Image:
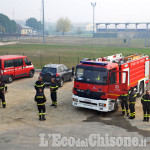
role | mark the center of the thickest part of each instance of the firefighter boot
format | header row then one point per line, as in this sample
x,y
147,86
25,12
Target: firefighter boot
x,y
144,119
40,117
148,118
4,104
123,113
133,115
43,117
53,104
130,117
127,113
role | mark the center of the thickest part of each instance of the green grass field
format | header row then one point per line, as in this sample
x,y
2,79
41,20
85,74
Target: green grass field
x,y
67,54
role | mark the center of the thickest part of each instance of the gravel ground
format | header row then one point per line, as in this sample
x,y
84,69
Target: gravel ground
x,y
20,127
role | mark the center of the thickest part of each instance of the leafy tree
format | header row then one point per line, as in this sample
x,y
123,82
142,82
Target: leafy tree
x,y
34,23
7,25
2,29
63,25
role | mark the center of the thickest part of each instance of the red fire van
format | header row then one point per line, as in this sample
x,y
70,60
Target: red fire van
x,y
15,66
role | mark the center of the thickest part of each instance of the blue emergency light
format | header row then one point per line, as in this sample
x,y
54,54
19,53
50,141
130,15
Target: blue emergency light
x,y
94,63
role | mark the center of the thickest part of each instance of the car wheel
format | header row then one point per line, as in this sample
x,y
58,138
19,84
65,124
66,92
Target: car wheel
x,y
10,79
31,74
61,83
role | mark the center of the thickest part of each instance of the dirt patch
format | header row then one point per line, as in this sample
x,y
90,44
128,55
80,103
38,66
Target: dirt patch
x,y
7,43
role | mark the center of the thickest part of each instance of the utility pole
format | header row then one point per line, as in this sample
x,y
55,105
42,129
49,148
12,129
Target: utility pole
x,y
43,22
13,14
93,5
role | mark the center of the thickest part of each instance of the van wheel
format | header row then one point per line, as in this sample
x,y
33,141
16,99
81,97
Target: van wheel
x,y
31,74
10,79
61,82
141,89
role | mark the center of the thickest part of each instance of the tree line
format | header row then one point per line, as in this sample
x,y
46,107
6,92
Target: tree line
x,y
7,25
63,25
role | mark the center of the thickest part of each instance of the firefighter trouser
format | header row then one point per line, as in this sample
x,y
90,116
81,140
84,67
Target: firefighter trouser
x,y
132,109
124,104
2,97
54,98
41,109
146,112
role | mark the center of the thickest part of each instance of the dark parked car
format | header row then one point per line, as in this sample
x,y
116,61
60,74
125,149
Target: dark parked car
x,y
58,71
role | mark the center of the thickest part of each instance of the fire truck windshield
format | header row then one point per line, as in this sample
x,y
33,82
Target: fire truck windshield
x,y
90,74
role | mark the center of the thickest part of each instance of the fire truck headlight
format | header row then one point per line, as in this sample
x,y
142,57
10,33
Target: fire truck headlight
x,y
2,71
102,105
75,100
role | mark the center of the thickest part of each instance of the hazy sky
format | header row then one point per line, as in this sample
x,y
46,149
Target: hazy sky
x,y
79,10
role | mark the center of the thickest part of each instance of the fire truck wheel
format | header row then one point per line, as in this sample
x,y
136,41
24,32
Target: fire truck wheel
x,y
31,74
116,106
61,82
10,79
141,90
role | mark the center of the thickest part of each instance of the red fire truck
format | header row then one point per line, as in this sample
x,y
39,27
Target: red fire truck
x,y
99,83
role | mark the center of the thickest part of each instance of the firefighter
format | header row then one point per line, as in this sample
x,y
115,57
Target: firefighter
x,y
53,89
3,89
132,100
146,106
39,84
124,103
41,99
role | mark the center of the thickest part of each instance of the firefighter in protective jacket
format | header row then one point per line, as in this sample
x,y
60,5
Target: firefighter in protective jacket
x,y
41,99
132,100
146,106
124,104
39,84
3,89
53,89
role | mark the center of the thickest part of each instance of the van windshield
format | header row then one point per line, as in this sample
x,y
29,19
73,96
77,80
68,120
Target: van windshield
x,y
90,74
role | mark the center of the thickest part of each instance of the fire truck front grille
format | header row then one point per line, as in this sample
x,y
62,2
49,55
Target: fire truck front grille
x,y
88,103
89,94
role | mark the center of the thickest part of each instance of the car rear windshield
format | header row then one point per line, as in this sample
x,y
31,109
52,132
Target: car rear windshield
x,y
49,70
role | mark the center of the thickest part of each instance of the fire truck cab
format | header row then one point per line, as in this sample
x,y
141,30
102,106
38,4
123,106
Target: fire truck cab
x,y
99,83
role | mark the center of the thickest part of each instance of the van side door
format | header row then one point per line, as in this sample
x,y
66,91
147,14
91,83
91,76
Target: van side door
x,y
20,71
27,65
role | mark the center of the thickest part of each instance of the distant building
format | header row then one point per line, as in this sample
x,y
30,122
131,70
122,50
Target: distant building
x,y
89,27
25,30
